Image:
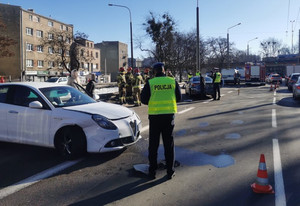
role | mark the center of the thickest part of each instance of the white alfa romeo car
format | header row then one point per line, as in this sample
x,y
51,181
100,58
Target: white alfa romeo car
x,y
64,118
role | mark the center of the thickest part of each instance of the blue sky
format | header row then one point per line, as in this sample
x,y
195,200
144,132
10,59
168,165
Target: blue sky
x,y
259,18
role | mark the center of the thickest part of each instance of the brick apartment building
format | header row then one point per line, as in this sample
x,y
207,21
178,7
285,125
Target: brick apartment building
x,y
31,61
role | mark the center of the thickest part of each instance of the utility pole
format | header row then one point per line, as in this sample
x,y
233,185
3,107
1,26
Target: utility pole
x,y
198,40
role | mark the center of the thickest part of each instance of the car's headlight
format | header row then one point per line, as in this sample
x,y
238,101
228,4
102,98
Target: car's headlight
x,y
103,122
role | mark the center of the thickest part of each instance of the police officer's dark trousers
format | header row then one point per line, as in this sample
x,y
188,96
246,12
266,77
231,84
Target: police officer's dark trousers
x,y
161,125
217,90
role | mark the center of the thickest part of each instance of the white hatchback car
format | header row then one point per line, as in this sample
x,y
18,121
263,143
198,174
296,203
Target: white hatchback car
x,y
64,118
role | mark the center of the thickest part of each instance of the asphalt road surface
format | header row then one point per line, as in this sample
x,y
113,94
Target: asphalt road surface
x,y
218,145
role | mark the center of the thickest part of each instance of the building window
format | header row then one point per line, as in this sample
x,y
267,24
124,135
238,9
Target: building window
x,y
50,50
40,48
61,27
29,63
68,40
97,66
40,63
50,23
50,36
39,33
96,54
91,53
82,65
29,47
30,17
67,28
50,64
36,19
29,31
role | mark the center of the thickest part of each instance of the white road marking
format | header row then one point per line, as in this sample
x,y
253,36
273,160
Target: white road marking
x,y
229,92
186,110
280,199
274,122
35,178
274,100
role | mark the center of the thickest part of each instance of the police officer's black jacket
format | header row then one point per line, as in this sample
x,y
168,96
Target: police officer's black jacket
x,y
146,93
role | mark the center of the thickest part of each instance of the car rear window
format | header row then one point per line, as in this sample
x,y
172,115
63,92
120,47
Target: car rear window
x,y
295,77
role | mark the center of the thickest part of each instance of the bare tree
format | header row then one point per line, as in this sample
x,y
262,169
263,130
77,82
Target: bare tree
x,y
270,47
5,42
161,31
64,49
216,52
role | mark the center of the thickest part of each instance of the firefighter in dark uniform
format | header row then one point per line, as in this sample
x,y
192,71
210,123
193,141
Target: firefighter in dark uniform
x,y
161,94
137,85
129,83
216,83
121,80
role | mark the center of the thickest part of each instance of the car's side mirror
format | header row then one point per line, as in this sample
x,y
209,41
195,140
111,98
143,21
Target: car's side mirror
x,y
35,105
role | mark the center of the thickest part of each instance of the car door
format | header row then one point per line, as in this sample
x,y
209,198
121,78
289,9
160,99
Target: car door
x,y
25,124
4,89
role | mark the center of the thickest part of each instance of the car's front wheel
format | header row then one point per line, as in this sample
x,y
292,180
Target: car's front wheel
x,y
70,142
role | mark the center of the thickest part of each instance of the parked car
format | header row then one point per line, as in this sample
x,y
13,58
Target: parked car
x,y
274,78
59,80
192,87
293,79
62,117
296,90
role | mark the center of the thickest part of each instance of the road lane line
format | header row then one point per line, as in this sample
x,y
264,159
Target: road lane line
x,y
280,199
186,110
274,122
274,100
36,178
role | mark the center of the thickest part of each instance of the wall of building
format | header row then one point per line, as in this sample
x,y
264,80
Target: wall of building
x,y
114,55
11,67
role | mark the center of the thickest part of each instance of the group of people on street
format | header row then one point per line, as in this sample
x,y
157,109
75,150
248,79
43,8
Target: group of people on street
x,y
130,85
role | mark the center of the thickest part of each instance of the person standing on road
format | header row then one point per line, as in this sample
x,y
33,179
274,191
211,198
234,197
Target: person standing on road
x,y
74,78
237,77
121,80
137,84
90,87
217,81
129,83
161,94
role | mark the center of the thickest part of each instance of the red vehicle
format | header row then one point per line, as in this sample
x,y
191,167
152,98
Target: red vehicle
x,y
255,74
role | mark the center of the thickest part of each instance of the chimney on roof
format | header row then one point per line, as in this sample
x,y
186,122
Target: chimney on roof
x,y
31,10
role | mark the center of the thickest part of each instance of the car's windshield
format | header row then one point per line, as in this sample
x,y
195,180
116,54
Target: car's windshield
x,y
65,96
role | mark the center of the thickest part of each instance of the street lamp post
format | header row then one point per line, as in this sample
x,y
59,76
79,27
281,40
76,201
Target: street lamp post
x,y
131,43
228,42
248,45
198,40
292,36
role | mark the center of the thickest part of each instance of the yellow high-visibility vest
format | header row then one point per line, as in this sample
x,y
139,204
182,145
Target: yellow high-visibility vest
x,y
218,77
163,98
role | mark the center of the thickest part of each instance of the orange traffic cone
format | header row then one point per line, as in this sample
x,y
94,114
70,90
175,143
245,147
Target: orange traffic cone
x,y
261,185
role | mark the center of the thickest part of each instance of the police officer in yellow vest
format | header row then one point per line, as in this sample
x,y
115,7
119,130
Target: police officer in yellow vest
x,y
161,94
217,81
